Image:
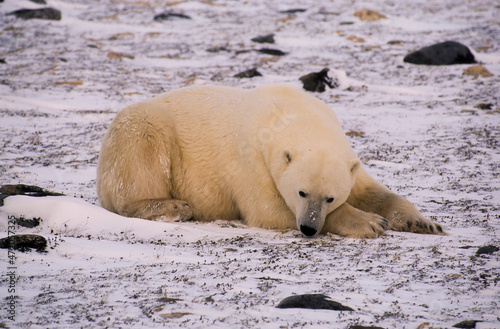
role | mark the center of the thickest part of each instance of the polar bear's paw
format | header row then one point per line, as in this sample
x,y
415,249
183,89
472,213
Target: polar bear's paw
x,y
404,216
415,224
161,210
177,211
367,226
354,223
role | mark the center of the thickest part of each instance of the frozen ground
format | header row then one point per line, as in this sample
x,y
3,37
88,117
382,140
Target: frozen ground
x,y
423,136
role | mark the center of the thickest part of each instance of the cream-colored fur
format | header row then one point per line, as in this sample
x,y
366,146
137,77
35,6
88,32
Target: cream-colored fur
x,y
273,156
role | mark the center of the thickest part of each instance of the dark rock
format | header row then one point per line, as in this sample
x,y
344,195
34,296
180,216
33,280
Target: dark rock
x,y
168,15
217,49
269,38
2,61
293,11
445,53
364,327
42,13
248,74
484,106
26,222
30,190
467,324
21,189
40,2
486,250
24,242
270,51
316,81
312,301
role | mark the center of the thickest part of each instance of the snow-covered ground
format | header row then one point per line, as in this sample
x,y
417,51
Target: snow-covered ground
x,y
422,135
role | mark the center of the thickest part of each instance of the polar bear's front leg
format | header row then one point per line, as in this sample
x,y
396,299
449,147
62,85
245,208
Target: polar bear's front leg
x,y
354,223
164,210
404,216
371,196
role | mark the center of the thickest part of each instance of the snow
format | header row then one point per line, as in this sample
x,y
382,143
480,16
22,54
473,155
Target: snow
x,y
423,137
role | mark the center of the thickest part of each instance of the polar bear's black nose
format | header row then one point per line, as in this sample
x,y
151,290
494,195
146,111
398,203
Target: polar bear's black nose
x,y
308,231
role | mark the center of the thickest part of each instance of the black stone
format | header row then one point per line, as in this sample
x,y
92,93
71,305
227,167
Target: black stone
x,y
269,38
40,2
486,250
293,11
270,51
30,190
445,53
312,301
248,74
166,16
316,81
26,222
484,106
42,13
21,189
24,242
466,324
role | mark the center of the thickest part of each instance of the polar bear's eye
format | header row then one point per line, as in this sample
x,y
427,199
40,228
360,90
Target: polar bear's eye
x,y
329,200
303,194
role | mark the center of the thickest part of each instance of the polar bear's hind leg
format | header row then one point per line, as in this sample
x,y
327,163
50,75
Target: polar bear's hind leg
x,y
134,174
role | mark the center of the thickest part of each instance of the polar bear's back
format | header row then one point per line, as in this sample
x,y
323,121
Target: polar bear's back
x,y
233,110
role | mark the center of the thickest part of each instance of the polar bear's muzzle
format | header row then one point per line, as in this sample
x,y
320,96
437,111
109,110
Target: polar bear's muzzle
x,y
311,221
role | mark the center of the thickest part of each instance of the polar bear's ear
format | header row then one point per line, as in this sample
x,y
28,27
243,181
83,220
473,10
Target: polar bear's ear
x,y
287,156
354,165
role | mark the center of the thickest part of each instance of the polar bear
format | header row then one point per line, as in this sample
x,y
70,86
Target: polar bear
x,y
273,156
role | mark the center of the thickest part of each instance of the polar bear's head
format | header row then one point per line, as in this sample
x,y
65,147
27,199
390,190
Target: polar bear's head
x,y
314,183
